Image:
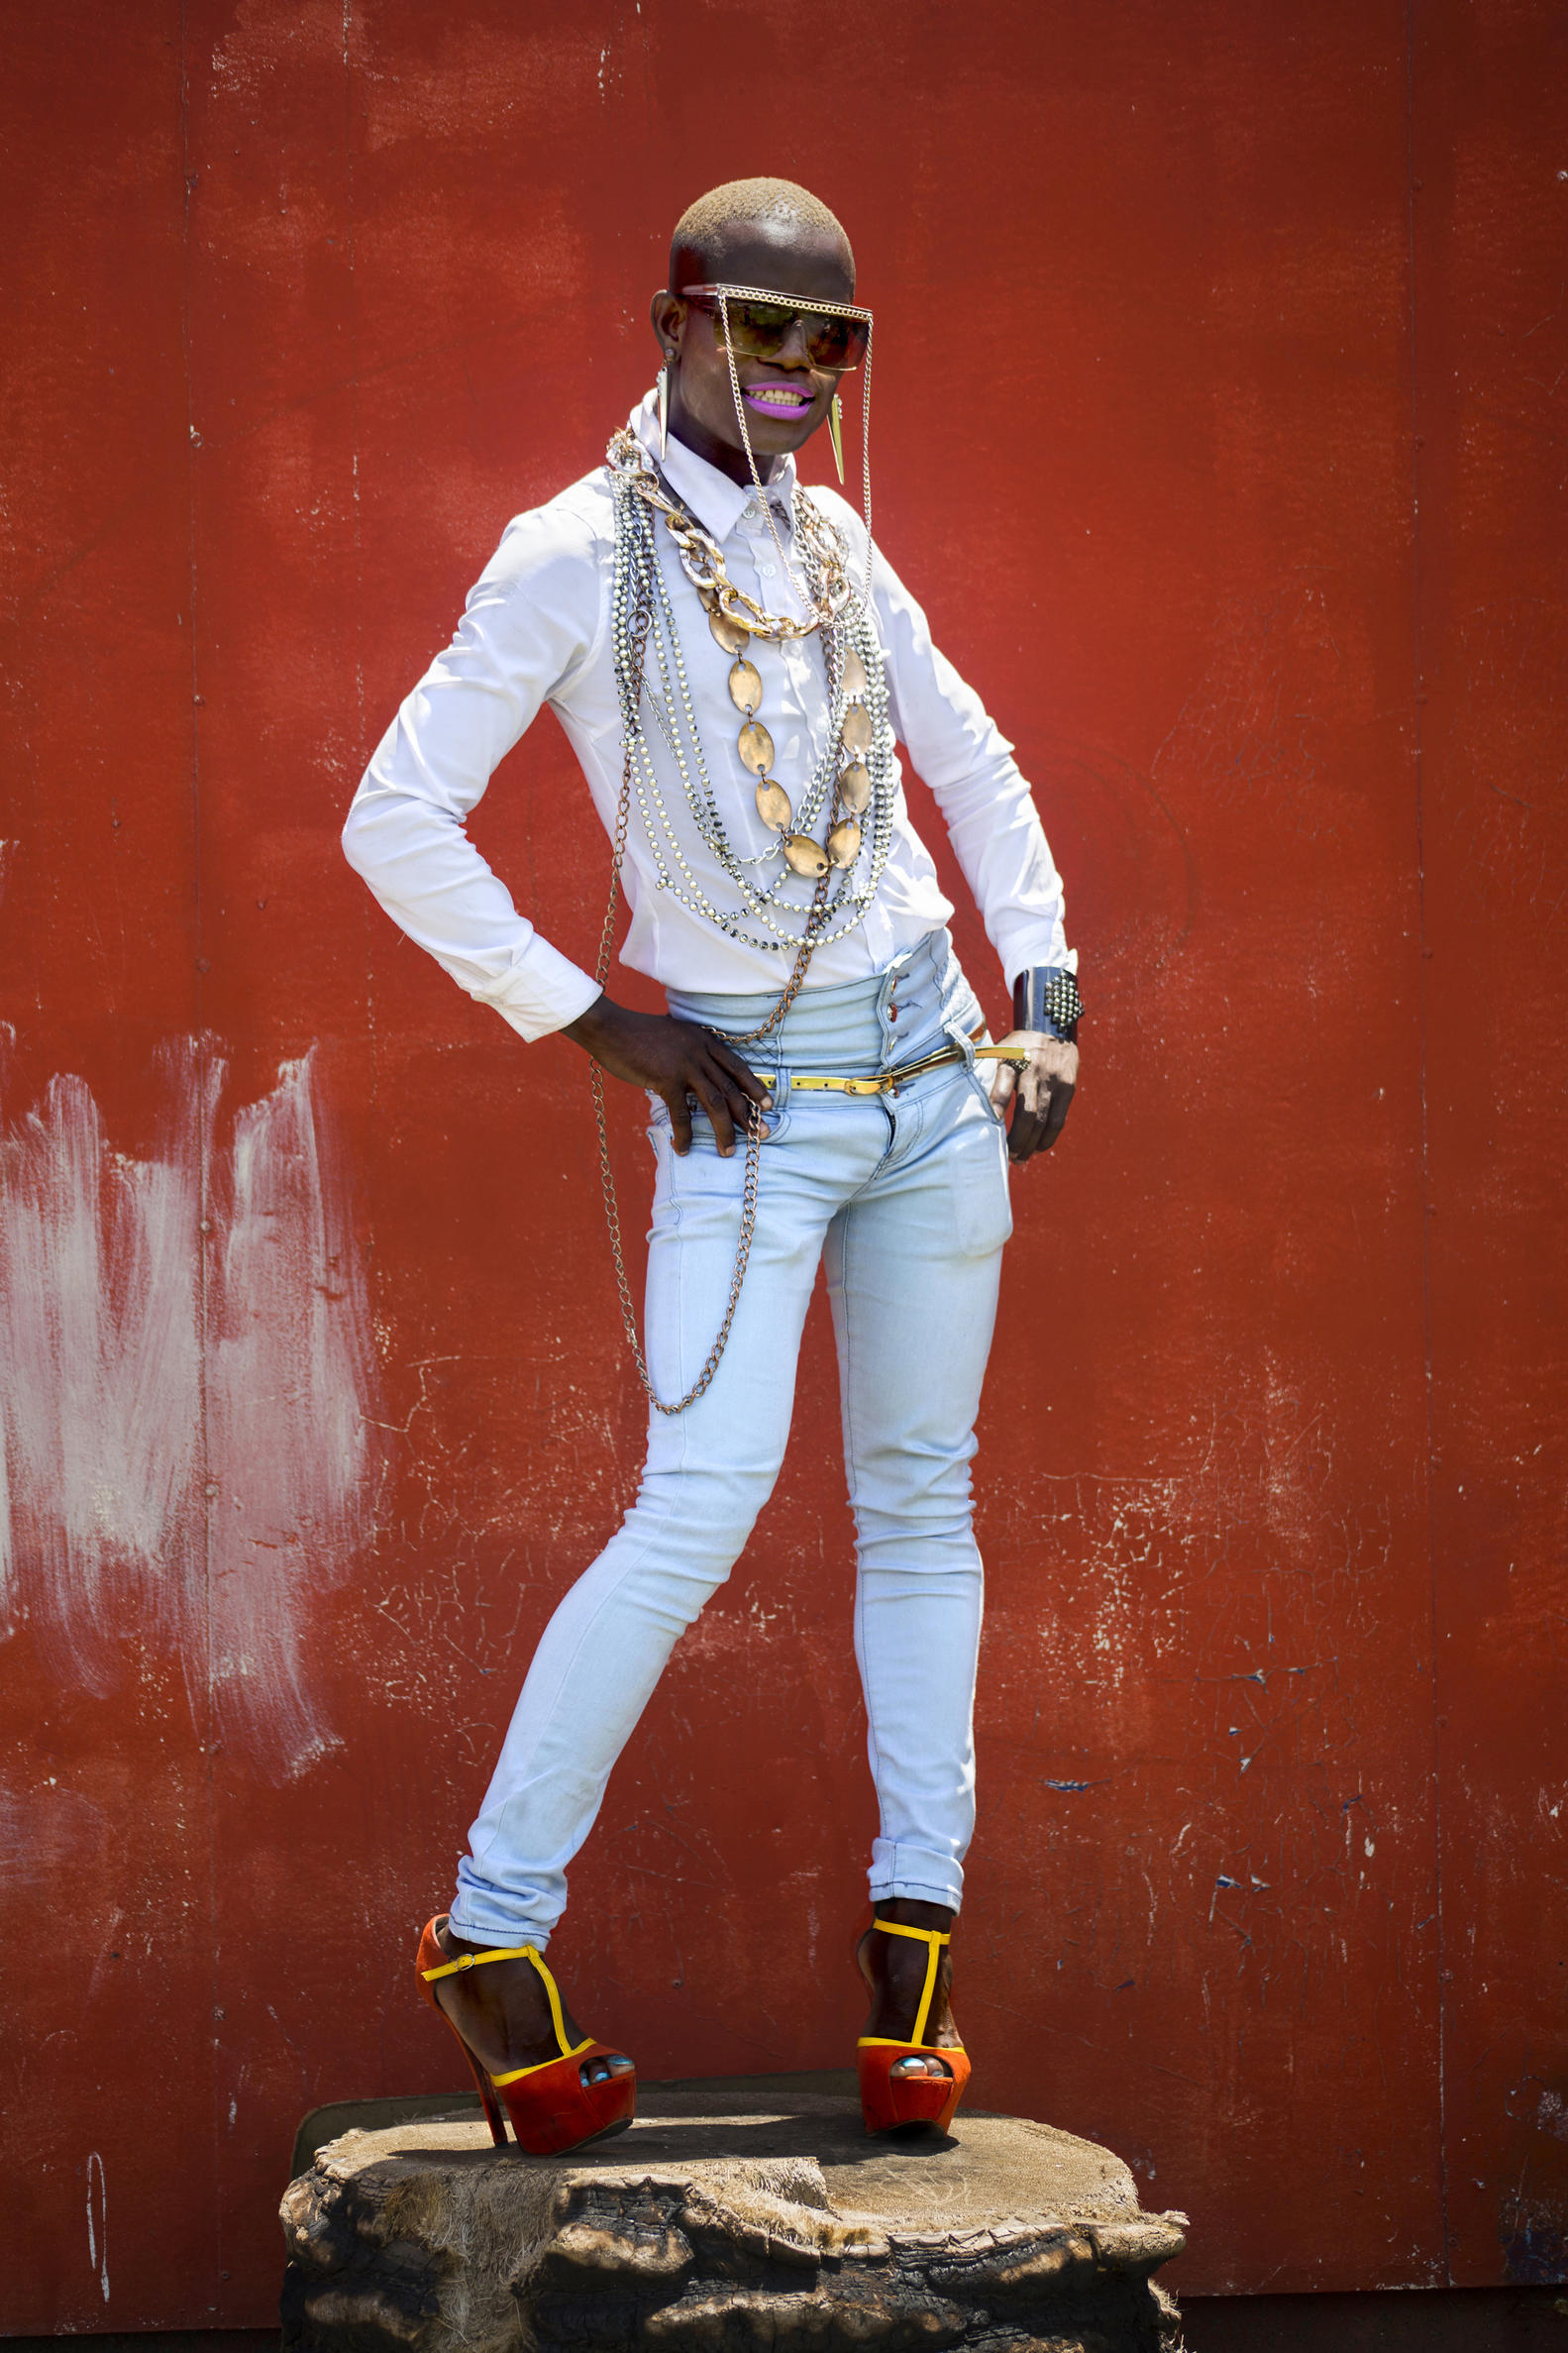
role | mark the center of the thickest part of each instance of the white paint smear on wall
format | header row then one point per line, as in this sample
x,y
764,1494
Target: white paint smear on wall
x,y
184,1448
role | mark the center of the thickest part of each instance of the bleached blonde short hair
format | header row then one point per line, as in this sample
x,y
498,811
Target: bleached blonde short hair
x,y
703,229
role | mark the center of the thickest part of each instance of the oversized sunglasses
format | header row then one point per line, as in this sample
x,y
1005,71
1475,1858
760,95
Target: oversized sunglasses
x,y
759,323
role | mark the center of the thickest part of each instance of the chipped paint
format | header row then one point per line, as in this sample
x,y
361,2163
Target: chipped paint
x,y
184,1378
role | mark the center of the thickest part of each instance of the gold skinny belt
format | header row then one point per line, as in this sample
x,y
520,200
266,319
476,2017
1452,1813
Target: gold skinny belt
x,y
887,1082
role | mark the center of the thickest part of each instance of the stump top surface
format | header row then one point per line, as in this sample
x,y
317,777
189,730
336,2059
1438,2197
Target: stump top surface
x,y
993,2169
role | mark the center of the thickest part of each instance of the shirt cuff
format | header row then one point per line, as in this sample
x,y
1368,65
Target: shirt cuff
x,y
542,993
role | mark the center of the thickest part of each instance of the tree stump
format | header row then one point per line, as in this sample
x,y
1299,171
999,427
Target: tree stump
x,y
726,2220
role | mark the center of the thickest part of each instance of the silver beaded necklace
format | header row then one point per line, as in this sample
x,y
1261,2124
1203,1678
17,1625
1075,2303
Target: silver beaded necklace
x,y
650,680
852,785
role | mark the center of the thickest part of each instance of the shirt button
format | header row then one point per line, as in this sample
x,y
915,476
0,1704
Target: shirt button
x,y
769,571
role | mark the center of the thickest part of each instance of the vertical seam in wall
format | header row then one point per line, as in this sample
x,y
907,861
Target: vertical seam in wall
x,y
204,1166
1421,1016
367,911
353,323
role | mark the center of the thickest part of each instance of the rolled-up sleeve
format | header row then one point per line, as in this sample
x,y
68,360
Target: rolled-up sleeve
x,y
984,801
531,622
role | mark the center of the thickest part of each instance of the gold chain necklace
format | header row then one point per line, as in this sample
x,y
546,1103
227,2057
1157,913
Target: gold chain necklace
x,y
734,619
702,560
755,744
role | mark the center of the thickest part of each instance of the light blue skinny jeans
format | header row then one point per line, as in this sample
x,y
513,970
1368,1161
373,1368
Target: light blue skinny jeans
x,y
907,1198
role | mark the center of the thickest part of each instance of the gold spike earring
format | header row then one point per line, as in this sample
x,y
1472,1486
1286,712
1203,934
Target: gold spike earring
x,y
663,414
836,433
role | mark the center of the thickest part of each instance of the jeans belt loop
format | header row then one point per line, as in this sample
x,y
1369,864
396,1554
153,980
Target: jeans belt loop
x,y
965,1042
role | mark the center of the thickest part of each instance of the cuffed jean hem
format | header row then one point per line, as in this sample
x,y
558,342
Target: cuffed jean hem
x,y
917,1873
473,1931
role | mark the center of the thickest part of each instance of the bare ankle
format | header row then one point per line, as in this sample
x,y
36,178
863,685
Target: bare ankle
x,y
909,1911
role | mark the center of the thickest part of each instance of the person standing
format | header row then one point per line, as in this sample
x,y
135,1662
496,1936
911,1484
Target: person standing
x,y
733,662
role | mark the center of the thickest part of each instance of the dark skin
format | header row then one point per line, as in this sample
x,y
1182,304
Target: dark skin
x,y
676,1061
501,2011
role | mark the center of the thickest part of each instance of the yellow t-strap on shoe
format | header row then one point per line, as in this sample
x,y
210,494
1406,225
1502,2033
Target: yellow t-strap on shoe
x,y
889,2099
531,1952
477,1960
933,1939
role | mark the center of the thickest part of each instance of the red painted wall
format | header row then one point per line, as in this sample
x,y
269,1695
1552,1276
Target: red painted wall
x,y
1219,417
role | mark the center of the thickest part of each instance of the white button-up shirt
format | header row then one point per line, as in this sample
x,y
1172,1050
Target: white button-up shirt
x,y
537,629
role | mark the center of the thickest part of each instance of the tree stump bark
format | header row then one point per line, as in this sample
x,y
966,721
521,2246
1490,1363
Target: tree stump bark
x,y
726,2221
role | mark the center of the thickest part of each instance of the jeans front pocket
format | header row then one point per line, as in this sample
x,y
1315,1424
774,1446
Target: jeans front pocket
x,y
983,1200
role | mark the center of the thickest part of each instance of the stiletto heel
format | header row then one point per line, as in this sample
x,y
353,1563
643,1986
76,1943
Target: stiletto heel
x,y
888,2100
494,2113
551,2106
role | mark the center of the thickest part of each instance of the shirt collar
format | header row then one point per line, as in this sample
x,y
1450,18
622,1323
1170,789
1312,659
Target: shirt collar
x,y
717,501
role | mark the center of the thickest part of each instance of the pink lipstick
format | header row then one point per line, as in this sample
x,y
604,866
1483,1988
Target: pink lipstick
x,y
776,399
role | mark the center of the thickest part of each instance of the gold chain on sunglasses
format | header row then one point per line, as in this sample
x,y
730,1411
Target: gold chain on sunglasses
x,y
844,310
790,306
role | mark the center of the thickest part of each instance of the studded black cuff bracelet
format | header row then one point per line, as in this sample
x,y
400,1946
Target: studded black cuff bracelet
x,y
1046,998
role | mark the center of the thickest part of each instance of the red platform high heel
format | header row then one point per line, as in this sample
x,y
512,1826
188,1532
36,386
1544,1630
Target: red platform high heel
x,y
551,2106
888,2100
